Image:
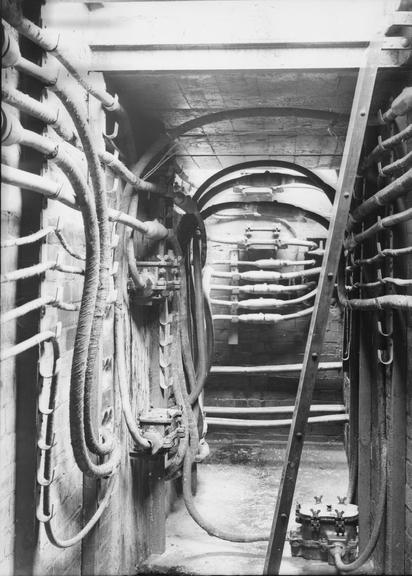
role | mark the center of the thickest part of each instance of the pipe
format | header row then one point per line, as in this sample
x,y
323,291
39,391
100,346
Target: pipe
x,y
68,542
29,239
384,196
271,369
121,170
55,191
267,178
48,511
271,409
202,367
267,263
388,144
120,365
337,550
239,423
39,110
45,114
259,303
277,242
37,269
272,289
398,165
381,224
262,276
382,282
311,176
50,43
36,236
27,308
179,387
263,318
386,302
13,132
382,254
93,303
26,345
202,522
86,397
400,106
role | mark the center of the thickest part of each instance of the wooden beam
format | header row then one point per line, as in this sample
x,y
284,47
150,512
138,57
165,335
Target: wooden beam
x,y
239,58
347,176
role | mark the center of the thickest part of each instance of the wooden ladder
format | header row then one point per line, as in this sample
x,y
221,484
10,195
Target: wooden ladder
x,y
347,175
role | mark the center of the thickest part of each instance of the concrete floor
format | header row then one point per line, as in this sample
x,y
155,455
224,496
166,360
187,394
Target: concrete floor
x,y
242,497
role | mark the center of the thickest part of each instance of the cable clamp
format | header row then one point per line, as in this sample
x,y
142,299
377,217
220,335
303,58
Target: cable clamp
x,y
42,517
114,105
42,481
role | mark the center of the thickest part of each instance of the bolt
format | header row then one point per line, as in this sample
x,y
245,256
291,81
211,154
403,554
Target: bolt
x,y
314,356
362,113
330,276
284,516
346,195
299,435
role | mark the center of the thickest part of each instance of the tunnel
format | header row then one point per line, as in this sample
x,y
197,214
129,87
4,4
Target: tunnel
x,y
206,287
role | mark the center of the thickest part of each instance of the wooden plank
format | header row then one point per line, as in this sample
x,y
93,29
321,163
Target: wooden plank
x,y
396,420
365,403
213,58
347,176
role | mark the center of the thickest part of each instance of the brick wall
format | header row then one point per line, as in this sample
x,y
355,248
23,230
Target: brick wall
x,y
132,527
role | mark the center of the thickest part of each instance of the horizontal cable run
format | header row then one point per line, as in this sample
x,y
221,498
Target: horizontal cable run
x,y
263,276
272,369
239,423
259,303
270,409
27,344
39,235
266,289
266,263
261,318
37,270
382,254
386,302
381,224
54,190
